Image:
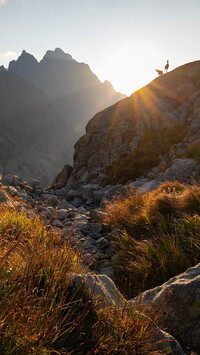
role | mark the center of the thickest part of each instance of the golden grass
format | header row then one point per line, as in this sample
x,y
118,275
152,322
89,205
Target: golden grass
x,y
160,235
40,312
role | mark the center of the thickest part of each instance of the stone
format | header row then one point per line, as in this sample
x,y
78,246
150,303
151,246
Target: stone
x,y
180,300
62,214
76,202
149,186
180,170
64,175
102,290
81,210
102,243
97,215
54,200
57,223
94,235
71,194
34,183
86,190
3,196
9,179
108,271
95,227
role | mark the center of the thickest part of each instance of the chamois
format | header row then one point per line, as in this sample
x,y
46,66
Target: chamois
x,y
167,66
160,72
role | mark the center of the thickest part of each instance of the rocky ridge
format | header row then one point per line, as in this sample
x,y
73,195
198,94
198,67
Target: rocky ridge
x,y
142,135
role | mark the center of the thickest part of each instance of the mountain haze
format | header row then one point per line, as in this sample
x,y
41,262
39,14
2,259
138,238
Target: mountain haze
x,y
44,109
71,87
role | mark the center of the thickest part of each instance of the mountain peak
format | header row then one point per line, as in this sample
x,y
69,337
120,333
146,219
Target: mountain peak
x,y
24,60
58,54
27,56
2,69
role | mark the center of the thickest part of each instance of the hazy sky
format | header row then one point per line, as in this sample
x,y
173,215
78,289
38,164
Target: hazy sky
x,y
123,41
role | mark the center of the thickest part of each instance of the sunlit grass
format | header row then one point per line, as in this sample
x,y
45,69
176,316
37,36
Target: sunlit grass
x,y
160,235
40,311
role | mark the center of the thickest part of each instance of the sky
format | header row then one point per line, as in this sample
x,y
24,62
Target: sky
x,y
122,41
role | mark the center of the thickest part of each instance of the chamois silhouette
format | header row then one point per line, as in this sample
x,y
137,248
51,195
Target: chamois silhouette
x,y
167,66
160,72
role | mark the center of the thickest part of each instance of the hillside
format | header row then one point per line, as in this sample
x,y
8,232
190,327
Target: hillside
x,y
143,133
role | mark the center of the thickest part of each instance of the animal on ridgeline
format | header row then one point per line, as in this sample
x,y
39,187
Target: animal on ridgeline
x,y
160,72
167,66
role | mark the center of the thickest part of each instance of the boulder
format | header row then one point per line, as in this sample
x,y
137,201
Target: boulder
x,y
102,290
64,175
180,300
181,170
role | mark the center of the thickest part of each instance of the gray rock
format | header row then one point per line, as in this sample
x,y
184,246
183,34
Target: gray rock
x,y
95,227
149,186
77,202
71,194
64,175
54,200
81,210
94,235
102,290
34,183
180,170
57,223
62,214
108,271
97,215
180,300
86,190
3,196
9,179
102,243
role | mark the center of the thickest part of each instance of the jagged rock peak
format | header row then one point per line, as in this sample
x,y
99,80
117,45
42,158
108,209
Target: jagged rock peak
x,y
25,59
27,56
59,54
2,69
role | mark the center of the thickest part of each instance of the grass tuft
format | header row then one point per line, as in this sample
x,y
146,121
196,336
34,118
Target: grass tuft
x,y
160,235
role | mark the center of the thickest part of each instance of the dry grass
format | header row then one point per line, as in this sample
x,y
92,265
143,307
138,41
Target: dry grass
x,y
160,235
40,312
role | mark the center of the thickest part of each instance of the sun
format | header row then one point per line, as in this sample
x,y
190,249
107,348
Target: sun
x,y
133,65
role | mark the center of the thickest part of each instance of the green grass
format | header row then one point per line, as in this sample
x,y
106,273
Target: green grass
x,y
160,235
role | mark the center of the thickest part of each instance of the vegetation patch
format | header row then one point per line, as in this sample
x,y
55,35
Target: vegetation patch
x,y
152,143
40,311
160,235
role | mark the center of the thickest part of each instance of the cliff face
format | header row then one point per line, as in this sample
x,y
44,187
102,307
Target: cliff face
x,y
144,132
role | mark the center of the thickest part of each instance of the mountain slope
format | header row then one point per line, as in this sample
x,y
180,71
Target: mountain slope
x,y
72,88
143,132
31,131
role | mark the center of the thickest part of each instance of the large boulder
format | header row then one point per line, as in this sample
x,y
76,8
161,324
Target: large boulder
x,y
180,299
103,292
181,170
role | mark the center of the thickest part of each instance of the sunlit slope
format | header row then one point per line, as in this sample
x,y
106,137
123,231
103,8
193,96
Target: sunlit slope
x,y
153,126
